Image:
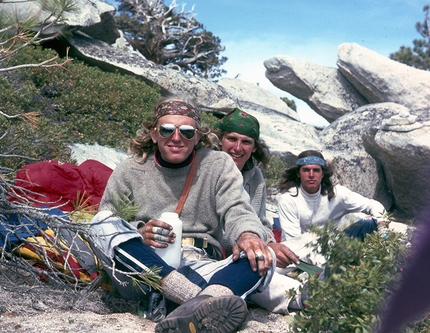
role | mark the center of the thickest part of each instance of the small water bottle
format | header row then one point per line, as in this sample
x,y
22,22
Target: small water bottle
x,y
172,253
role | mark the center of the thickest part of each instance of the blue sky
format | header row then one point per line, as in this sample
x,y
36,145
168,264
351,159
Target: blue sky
x,y
253,31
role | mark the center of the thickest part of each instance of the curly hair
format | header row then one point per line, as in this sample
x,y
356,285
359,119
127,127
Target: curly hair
x,y
142,145
289,178
261,154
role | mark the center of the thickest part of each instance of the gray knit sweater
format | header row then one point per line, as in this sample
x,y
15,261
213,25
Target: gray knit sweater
x,y
216,201
255,186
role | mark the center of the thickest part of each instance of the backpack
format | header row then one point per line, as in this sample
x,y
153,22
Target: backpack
x,y
63,252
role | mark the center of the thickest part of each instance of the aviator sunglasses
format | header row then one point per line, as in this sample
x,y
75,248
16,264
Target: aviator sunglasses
x,y
186,131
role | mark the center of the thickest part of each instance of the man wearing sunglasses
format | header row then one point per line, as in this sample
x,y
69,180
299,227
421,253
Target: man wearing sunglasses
x,y
209,290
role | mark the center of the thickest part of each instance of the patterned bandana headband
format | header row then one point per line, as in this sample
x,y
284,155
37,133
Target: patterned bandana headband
x,y
310,160
177,108
240,122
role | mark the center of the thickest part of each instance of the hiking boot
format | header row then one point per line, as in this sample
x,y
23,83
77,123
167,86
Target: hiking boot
x,y
206,314
298,301
304,296
153,308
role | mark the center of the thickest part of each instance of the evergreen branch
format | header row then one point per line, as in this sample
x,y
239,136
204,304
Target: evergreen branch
x,y
124,207
150,278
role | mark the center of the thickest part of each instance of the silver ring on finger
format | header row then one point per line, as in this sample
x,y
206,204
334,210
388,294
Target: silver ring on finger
x,y
159,238
165,232
259,257
157,230
160,231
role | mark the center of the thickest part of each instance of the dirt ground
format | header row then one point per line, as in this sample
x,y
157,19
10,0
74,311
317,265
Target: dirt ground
x,y
259,321
34,307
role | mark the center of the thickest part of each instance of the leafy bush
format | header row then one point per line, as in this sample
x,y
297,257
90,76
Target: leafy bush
x,y
361,274
272,173
77,103
208,119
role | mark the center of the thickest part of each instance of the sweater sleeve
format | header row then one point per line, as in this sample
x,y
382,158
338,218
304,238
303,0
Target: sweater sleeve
x,y
288,217
233,204
255,186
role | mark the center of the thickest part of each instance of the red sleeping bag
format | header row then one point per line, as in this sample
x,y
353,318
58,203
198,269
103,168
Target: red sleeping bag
x,y
53,183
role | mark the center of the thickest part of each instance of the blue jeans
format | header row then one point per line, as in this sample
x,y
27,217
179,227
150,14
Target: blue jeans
x,y
361,228
237,276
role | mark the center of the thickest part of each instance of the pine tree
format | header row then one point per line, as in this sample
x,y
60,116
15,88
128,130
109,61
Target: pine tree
x,y
171,37
419,55
18,31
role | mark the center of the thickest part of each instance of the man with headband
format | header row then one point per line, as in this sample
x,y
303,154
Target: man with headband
x,y
239,136
210,292
310,198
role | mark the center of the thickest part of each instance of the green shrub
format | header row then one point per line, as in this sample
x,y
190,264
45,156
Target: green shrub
x,y
208,119
361,273
77,103
272,173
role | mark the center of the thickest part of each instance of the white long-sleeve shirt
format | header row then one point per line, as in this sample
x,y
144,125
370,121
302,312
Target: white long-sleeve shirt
x,y
297,213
